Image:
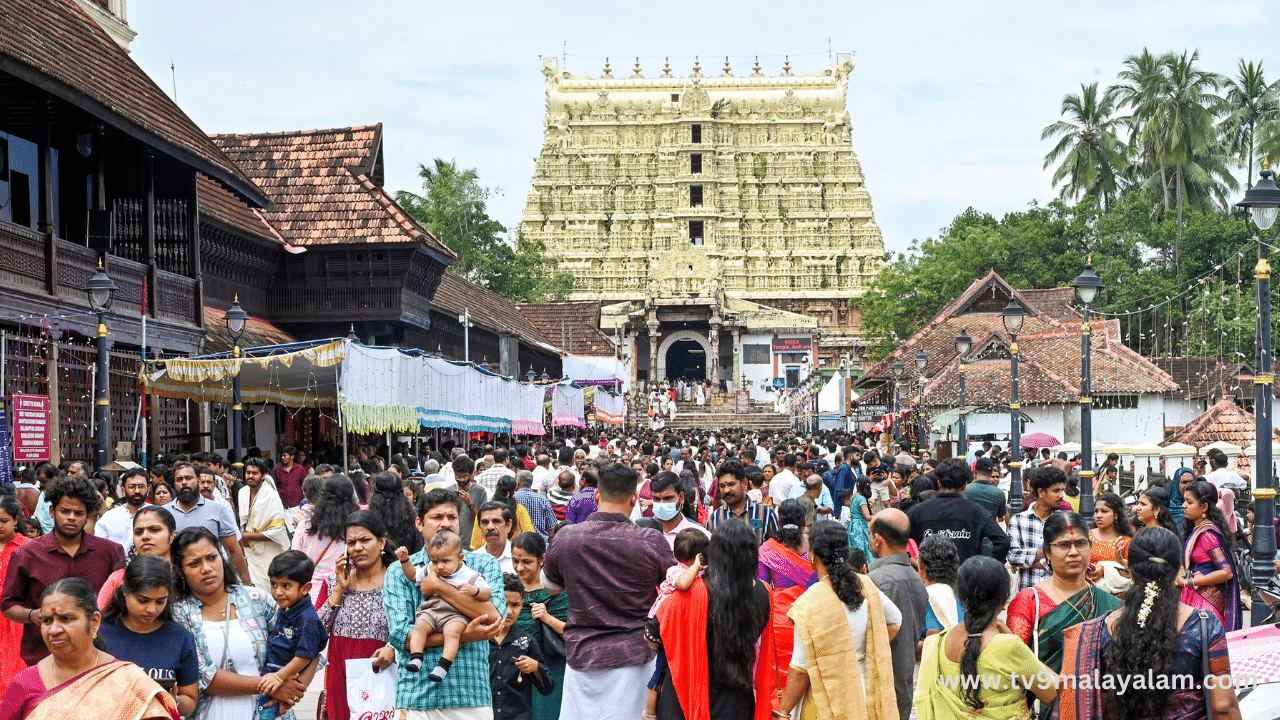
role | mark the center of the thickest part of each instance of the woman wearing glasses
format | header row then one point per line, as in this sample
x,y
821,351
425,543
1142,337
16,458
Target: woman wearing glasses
x,y
1041,613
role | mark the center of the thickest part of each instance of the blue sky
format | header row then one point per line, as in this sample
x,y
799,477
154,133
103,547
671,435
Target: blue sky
x,y
947,98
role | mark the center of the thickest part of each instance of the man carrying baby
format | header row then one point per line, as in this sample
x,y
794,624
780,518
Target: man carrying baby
x,y
465,692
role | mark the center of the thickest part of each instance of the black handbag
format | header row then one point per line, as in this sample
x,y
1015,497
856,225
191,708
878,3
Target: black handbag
x,y
1204,663
552,643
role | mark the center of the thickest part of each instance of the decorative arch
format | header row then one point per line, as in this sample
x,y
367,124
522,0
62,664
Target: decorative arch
x,y
676,337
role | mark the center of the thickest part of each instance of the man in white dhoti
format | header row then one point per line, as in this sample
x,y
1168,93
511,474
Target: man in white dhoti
x,y
262,522
610,593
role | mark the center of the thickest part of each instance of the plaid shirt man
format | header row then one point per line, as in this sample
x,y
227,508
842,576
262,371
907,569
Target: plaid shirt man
x,y
1026,536
759,516
489,478
540,511
467,684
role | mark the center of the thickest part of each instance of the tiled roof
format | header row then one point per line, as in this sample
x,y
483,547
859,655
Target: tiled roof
x,y
321,190
1224,421
1057,303
574,326
1049,345
257,332
488,309
220,205
1206,377
54,45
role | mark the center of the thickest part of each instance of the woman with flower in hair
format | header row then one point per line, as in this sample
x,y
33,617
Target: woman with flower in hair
x,y
1154,637
784,565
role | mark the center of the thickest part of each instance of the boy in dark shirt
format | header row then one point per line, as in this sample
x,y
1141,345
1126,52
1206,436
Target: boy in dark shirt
x,y
515,662
298,636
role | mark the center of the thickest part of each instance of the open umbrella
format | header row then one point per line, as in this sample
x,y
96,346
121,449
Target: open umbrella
x,y
1040,440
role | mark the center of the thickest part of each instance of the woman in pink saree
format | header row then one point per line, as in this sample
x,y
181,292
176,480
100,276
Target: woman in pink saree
x,y
79,680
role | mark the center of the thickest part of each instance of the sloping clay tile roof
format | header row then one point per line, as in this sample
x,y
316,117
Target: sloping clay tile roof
x,y
574,326
1224,421
321,190
488,309
56,39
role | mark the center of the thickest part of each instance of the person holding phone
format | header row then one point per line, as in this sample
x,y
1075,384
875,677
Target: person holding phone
x,y
351,606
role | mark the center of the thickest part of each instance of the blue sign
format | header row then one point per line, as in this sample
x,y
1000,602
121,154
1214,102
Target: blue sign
x,y
779,383
6,459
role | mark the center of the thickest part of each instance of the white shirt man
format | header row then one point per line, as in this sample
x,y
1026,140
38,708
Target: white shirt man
x,y
782,484
116,524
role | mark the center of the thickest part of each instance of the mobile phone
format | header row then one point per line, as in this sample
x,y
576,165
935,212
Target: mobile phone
x,y
350,566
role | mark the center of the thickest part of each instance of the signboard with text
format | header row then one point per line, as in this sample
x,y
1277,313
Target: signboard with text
x,y
792,345
742,402
779,383
31,438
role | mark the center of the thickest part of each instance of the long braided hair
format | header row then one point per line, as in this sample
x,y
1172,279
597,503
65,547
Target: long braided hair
x,y
982,585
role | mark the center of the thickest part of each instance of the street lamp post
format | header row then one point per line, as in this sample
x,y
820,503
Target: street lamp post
x,y
465,320
1087,285
1263,202
922,440
236,318
1013,315
897,369
963,344
101,291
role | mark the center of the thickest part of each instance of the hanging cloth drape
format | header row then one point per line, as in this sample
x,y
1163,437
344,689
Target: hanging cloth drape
x,y
567,406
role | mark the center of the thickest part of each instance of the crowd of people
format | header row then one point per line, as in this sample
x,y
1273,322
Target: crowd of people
x,y
650,574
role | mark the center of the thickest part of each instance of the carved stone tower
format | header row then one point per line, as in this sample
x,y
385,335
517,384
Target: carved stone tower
x,y
688,186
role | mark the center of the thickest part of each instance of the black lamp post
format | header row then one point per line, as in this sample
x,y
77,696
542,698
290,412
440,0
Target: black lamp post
x,y
1263,202
963,344
897,367
1087,285
236,319
922,444
1013,315
101,291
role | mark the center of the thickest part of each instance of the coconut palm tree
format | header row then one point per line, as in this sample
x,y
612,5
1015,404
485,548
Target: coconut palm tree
x,y
1142,82
1253,112
1093,158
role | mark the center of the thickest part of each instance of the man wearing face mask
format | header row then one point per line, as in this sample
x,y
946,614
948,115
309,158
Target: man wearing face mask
x,y
610,569
668,501
116,524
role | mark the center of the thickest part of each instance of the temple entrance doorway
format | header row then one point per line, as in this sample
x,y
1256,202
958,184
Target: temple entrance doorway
x,y
686,360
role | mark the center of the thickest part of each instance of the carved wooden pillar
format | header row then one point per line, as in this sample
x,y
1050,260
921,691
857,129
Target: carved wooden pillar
x,y
149,230
193,237
46,222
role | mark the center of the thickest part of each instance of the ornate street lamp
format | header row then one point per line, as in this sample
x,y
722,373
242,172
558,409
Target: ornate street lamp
x,y
545,377
531,375
1013,315
964,343
922,444
101,291
1087,285
897,369
1263,202
236,319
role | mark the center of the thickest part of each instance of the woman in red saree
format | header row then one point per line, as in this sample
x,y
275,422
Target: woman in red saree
x,y
1211,581
10,632
717,638
784,565
79,680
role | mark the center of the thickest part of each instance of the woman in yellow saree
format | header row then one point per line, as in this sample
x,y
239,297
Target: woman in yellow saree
x,y
981,651
840,666
79,680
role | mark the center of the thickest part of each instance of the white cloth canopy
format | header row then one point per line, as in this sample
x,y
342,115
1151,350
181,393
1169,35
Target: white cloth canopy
x,y
376,388
594,369
610,408
567,406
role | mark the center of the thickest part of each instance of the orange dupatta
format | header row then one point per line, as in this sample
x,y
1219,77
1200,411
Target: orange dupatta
x,y
115,691
682,618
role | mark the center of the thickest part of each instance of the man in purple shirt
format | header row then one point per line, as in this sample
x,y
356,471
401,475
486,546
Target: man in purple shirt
x,y
583,502
611,570
66,552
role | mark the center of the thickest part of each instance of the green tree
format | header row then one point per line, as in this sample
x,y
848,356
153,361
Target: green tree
x,y
1093,158
453,207
1252,112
